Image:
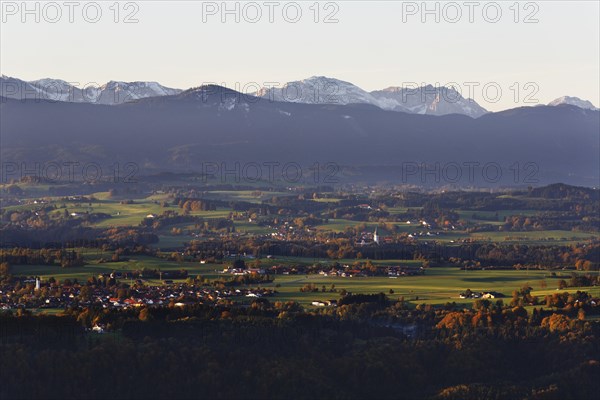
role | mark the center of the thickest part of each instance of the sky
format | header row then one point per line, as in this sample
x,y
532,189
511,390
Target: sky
x,y
502,54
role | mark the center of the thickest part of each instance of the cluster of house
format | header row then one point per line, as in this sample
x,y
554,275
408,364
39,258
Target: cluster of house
x,y
429,232
420,234
468,294
240,271
179,295
344,270
348,273
397,271
286,231
324,303
65,296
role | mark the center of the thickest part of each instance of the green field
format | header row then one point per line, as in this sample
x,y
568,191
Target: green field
x,y
467,215
120,214
437,286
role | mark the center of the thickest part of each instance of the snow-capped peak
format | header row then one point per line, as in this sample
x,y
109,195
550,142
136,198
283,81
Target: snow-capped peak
x,y
111,93
424,100
318,90
112,85
574,101
120,92
428,99
49,82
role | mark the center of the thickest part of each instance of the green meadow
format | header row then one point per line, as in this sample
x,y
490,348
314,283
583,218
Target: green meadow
x,y
437,286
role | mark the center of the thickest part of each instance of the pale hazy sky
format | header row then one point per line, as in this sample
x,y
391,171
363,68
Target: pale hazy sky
x,y
373,45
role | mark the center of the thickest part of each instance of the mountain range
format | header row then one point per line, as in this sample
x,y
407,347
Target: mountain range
x,y
428,99
111,93
185,130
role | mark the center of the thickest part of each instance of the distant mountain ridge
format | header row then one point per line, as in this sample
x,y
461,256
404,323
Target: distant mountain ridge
x,y
111,93
427,100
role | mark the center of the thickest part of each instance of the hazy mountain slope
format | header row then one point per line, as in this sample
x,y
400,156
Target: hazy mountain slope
x,y
216,124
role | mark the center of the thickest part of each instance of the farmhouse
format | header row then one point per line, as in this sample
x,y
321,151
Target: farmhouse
x,y
326,303
491,295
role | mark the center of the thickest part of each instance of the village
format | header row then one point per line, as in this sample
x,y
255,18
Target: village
x,y
124,289
31,293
